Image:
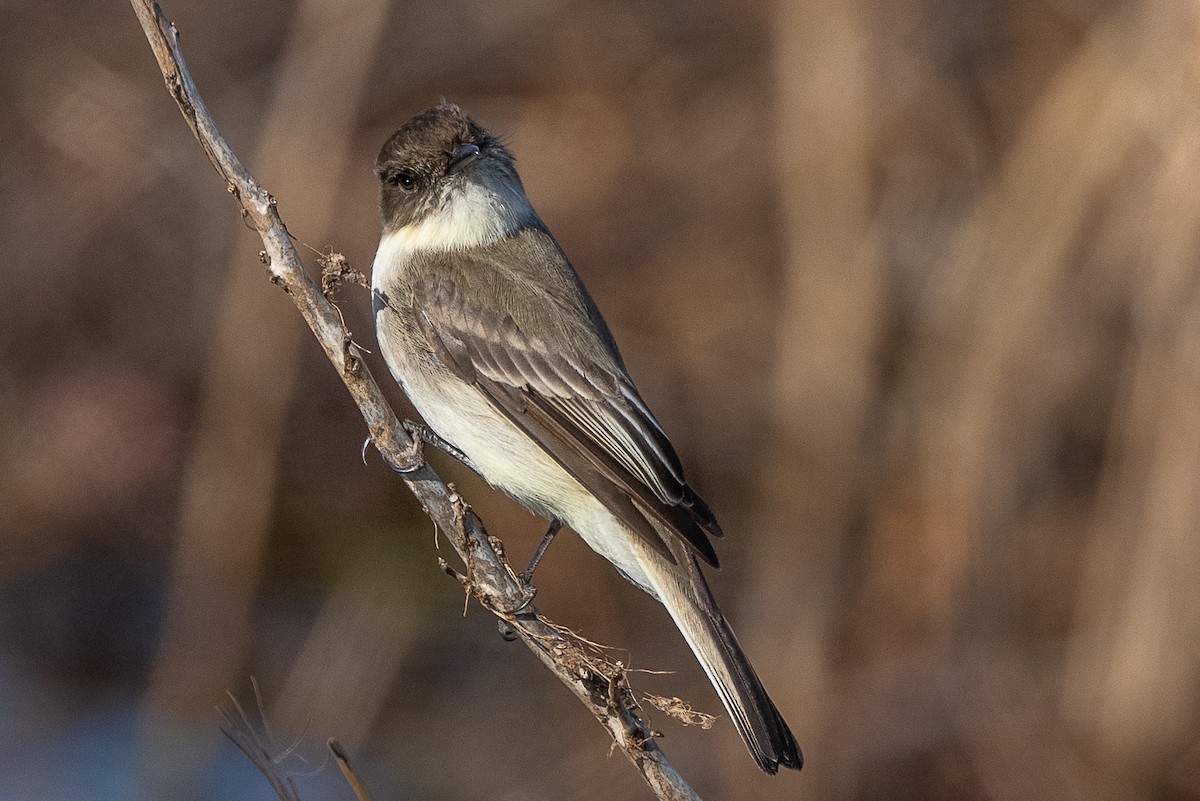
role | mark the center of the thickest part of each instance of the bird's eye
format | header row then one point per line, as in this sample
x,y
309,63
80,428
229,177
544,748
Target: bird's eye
x,y
404,179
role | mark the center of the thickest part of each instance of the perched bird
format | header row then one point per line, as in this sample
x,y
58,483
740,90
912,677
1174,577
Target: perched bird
x,y
490,332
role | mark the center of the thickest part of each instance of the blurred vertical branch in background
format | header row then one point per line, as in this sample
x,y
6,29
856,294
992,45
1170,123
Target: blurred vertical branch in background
x,y
229,480
827,324
343,673
1133,677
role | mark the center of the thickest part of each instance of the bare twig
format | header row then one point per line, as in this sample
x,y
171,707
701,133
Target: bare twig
x,y
339,754
256,743
600,688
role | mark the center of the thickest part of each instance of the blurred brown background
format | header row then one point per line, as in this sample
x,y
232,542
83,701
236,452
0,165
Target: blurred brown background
x,y
912,285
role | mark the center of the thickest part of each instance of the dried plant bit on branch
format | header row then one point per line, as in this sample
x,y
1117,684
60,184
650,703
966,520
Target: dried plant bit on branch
x,y
336,272
681,710
599,648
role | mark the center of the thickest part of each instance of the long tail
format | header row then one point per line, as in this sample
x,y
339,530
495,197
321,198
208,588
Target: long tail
x,y
685,593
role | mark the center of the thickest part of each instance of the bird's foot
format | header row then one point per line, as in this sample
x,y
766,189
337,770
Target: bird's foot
x,y
526,575
425,434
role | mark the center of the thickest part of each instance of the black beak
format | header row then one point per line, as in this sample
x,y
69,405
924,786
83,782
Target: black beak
x,y
461,157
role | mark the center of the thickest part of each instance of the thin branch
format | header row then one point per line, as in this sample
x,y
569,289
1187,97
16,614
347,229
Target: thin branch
x,y
256,743
356,784
598,683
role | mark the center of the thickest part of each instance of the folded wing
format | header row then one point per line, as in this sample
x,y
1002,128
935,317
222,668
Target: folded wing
x,y
542,356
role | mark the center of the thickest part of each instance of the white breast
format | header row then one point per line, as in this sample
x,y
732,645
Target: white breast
x,y
510,460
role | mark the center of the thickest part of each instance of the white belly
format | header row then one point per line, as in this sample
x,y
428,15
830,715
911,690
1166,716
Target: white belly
x,y
508,459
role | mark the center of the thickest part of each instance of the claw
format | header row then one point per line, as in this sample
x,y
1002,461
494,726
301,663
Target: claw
x,y
424,434
507,632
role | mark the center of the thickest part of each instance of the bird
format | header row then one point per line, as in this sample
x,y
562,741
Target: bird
x,y
490,332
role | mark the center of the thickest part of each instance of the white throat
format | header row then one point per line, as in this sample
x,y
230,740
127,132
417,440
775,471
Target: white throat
x,y
476,215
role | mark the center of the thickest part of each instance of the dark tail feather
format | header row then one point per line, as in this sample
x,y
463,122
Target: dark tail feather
x,y
706,630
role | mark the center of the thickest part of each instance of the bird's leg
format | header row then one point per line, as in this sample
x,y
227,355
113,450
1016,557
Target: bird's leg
x,y
527,574
427,436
